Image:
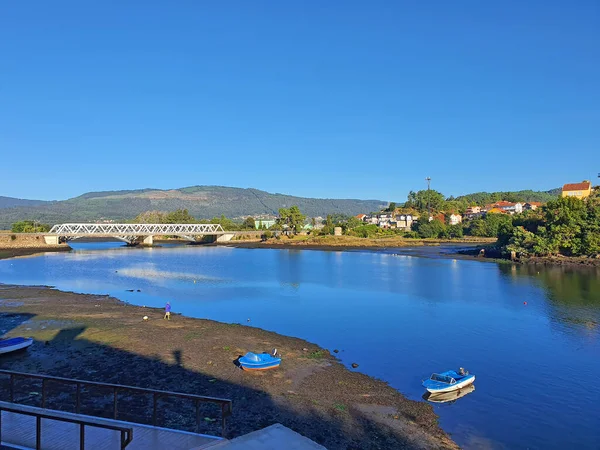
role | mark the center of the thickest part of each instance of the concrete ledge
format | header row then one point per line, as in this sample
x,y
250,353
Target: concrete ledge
x,y
275,437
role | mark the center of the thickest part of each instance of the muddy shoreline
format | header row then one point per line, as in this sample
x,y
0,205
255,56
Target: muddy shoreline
x,y
101,338
6,253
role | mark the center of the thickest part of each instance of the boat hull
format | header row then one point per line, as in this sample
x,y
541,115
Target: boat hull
x,y
263,367
14,345
262,361
453,387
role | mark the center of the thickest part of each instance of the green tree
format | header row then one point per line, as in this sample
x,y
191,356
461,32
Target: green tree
x,y
434,229
249,223
180,216
29,226
488,225
391,207
420,199
292,218
227,224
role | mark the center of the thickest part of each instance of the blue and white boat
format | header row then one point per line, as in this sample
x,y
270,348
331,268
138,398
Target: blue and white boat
x,y
259,361
448,381
14,344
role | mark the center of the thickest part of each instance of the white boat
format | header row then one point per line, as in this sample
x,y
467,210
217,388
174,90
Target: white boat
x,y
451,396
448,381
14,344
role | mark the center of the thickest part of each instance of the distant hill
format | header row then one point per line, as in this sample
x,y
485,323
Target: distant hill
x,y
10,202
483,198
203,202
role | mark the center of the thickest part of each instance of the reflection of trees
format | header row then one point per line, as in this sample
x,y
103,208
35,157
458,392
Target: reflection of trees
x,y
573,293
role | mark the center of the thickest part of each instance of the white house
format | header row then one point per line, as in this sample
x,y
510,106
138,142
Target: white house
x,y
454,219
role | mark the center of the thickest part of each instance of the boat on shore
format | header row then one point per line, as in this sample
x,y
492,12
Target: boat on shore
x,y
448,381
259,361
14,344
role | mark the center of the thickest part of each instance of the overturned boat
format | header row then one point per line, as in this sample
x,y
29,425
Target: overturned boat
x,y
259,361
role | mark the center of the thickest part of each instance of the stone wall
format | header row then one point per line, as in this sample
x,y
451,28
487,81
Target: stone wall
x,y
26,240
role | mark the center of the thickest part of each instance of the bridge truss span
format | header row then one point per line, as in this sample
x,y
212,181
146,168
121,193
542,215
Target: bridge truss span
x,y
133,233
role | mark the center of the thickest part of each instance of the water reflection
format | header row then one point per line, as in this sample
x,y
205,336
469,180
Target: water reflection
x,y
572,294
448,397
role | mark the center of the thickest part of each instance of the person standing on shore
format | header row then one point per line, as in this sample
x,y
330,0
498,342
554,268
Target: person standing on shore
x,y
167,311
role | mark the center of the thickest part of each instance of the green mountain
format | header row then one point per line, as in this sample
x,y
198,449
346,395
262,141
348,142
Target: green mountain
x,y
203,202
484,198
11,202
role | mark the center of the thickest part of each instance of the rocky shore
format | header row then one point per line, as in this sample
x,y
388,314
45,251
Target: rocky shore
x,y
100,338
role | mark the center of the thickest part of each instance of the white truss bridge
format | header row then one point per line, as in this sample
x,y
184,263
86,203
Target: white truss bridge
x,y
133,233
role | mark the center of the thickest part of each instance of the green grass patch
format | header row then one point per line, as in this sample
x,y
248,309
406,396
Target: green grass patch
x,y
317,354
340,407
191,335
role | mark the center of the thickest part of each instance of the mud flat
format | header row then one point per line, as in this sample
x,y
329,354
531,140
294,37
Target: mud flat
x,y
100,338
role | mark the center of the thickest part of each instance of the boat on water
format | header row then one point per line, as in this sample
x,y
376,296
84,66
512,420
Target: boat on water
x,y
448,381
452,396
14,344
259,361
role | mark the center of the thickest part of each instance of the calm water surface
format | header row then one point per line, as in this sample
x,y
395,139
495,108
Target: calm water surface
x,y
400,317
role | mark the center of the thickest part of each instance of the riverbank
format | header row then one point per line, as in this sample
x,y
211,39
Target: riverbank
x,y
19,244
493,255
339,243
100,338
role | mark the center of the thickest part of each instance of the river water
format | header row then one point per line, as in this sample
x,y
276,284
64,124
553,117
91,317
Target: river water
x,y
530,335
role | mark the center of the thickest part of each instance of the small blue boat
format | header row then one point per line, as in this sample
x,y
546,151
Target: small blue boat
x,y
259,361
14,344
448,381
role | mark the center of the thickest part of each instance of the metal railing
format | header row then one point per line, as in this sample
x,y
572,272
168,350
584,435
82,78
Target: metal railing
x,y
125,432
225,404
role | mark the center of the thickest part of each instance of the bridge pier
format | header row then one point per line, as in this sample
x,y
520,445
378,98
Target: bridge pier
x,y
148,240
51,240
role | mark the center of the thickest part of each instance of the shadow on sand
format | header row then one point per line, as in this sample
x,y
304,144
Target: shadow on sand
x,y
69,355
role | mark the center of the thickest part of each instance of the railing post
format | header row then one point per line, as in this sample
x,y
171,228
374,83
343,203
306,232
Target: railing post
x,y
43,392
38,433
223,420
78,399
115,403
81,436
12,388
197,416
154,401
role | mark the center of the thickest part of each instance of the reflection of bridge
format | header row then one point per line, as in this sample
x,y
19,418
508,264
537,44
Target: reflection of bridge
x,y
135,233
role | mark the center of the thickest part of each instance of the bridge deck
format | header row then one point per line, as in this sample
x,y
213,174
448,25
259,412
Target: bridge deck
x,y
19,430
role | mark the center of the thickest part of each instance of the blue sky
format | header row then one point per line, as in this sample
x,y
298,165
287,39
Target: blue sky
x,y
346,98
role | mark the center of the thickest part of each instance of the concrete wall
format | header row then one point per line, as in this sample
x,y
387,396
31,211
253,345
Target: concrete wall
x,y
26,240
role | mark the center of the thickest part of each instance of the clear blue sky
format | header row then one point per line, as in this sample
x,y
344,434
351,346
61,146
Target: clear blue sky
x,y
314,98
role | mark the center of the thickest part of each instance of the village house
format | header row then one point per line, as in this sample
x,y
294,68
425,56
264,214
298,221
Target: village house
x,y
507,207
399,221
403,222
531,206
577,190
454,219
259,224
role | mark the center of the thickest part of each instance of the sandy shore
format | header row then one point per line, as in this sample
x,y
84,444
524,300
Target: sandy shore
x,y
100,338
